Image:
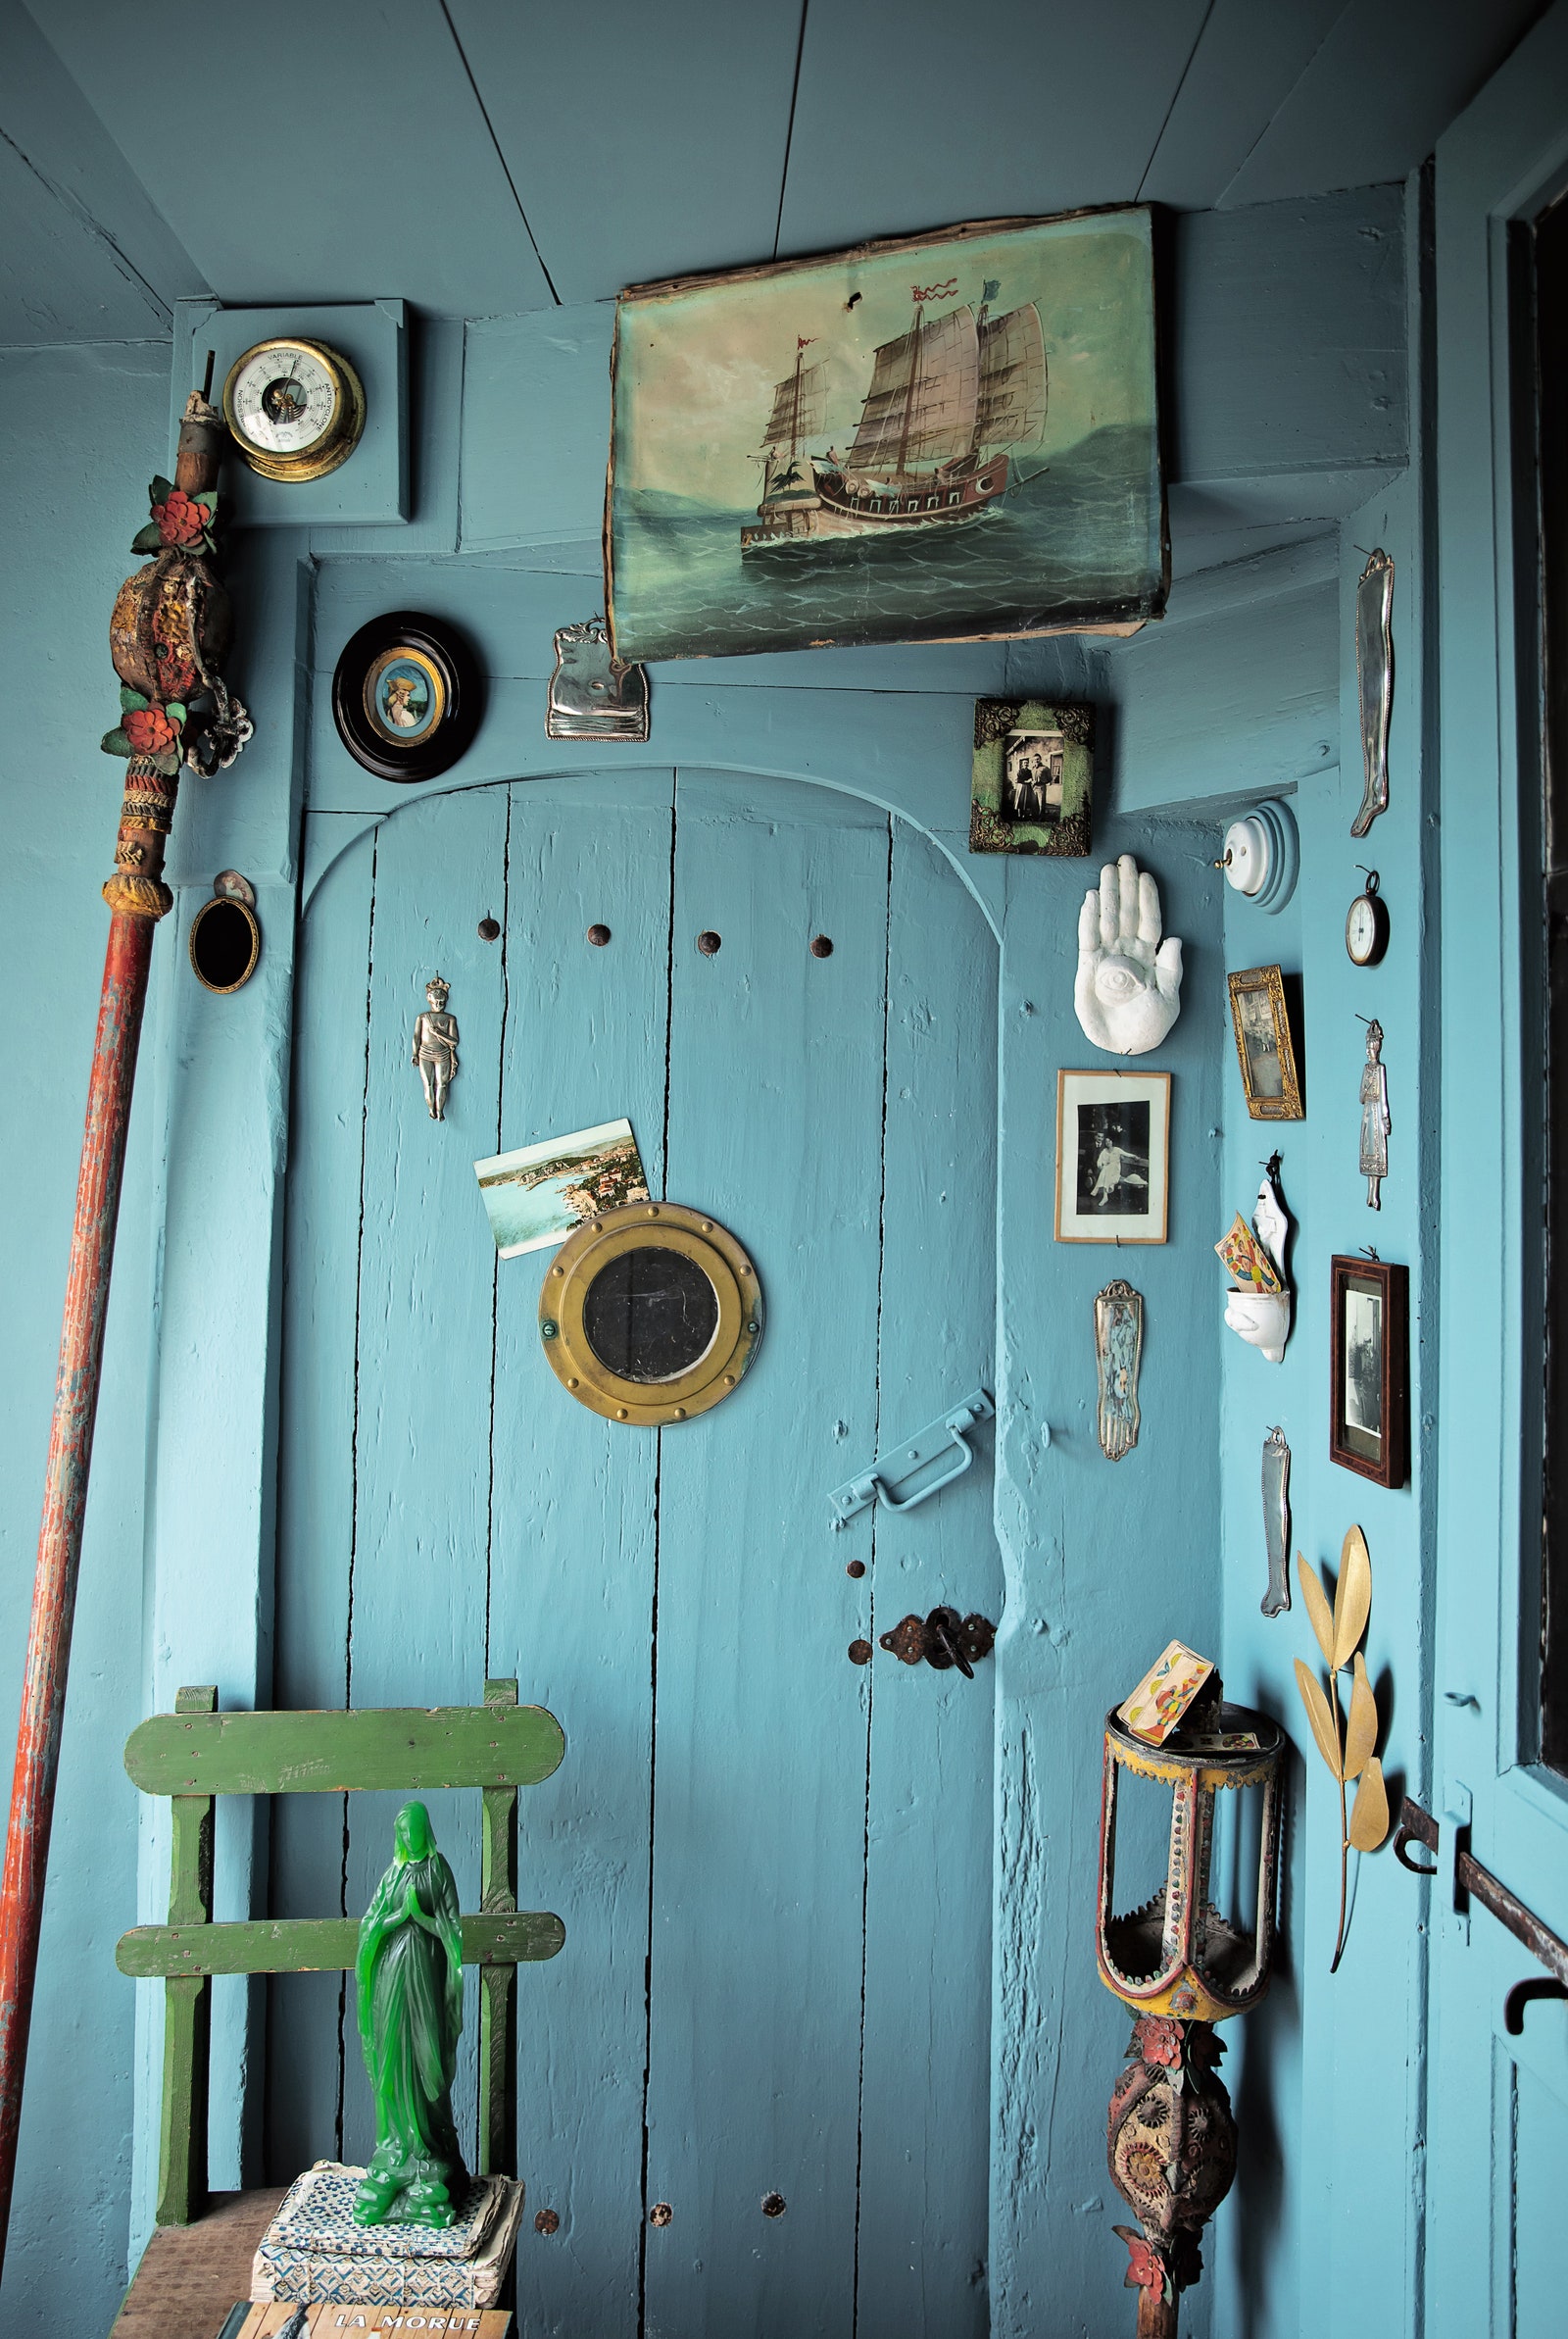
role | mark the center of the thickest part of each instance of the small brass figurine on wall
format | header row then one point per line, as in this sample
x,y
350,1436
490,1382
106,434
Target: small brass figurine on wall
x,y
435,1048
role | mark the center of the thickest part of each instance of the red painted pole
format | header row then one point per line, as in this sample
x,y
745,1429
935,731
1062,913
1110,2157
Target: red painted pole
x,y
167,634
65,1502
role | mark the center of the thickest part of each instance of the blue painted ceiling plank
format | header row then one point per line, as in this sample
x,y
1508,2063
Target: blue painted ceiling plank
x,y
356,159
910,118
83,247
659,147
1246,61
1389,78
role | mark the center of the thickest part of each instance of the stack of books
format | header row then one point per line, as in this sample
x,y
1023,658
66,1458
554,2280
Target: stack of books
x,y
314,2254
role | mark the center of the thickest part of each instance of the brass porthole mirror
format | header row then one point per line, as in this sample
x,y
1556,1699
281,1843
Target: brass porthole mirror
x,y
225,936
651,1313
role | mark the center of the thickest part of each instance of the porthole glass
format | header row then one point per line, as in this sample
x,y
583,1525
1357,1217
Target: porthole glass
x,y
649,1314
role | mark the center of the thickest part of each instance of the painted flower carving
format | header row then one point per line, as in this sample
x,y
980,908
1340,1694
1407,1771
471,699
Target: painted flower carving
x,y
149,730
1158,2039
1145,2268
179,522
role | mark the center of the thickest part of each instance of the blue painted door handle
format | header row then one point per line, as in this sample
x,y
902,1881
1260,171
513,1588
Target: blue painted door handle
x,y
901,1467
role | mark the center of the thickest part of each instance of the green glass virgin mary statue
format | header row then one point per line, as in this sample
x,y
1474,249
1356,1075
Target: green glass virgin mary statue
x,y
409,1974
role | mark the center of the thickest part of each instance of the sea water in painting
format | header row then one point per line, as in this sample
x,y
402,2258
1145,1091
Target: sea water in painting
x,y
536,1195
947,437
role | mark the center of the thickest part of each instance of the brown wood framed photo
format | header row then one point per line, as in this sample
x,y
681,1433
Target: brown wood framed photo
x,y
1369,1395
1263,1045
1112,1157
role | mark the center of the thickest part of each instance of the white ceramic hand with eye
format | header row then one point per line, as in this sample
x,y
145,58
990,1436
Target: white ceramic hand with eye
x,y
1129,988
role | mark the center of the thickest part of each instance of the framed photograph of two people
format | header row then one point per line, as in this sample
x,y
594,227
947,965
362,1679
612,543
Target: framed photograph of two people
x,y
1112,1157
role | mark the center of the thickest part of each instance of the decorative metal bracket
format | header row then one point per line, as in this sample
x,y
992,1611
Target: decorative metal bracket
x,y
891,1479
942,1639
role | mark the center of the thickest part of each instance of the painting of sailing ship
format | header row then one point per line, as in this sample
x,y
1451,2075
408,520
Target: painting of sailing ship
x,y
944,437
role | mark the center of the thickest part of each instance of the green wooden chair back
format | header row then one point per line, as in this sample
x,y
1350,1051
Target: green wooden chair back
x,y
196,1754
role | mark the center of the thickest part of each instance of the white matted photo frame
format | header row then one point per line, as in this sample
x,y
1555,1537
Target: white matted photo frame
x,y
1112,1157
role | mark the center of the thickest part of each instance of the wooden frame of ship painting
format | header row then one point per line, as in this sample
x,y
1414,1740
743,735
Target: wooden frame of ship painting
x,y
943,437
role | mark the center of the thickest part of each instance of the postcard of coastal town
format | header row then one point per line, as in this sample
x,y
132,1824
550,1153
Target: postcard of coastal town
x,y
537,1194
949,437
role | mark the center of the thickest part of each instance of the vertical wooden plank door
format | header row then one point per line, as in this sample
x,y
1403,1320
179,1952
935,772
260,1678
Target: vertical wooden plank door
x,y
754,2087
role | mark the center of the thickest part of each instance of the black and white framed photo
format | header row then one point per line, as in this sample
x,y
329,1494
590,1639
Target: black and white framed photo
x,y
1369,1409
1112,1157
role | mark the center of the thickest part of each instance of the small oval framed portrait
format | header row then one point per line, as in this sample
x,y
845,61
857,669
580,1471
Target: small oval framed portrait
x,y
406,696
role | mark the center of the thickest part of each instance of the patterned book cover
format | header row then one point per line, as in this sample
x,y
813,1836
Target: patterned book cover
x,y
318,2322
313,2253
1164,1693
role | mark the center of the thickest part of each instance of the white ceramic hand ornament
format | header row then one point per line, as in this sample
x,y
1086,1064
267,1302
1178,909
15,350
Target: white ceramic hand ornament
x,y
1129,988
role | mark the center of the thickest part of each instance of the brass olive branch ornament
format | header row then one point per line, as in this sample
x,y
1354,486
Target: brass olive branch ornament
x,y
1346,1746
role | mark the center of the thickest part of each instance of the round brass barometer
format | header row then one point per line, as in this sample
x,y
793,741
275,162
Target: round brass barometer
x,y
649,1314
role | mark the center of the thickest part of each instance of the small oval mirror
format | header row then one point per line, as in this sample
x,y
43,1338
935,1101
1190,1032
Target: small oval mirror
x,y
225,942
649,1314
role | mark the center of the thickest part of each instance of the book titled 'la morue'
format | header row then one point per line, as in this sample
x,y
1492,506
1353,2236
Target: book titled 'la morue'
x,y
279,2320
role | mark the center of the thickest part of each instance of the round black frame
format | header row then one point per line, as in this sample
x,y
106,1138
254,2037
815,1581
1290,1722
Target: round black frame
x,y
425,758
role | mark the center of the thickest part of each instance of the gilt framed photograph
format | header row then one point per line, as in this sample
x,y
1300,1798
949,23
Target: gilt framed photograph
x,y
1264,1047
1369,1397
1112,1157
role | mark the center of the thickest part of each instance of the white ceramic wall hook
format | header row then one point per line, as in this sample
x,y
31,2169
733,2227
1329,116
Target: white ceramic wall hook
x,y
1262,1318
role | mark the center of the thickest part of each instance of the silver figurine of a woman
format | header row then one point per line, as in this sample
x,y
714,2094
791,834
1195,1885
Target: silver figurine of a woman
x,y
435,1048
1375,1123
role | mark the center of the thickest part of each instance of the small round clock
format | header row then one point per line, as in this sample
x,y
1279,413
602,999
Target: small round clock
x,y
1366,925
296,409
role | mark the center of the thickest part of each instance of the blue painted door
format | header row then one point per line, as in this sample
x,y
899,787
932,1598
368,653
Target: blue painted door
x,y
1497,2102
774,1865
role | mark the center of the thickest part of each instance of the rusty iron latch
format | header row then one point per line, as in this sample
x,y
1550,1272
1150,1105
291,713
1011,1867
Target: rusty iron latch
x,y
944,1639
1471,1880
896,1480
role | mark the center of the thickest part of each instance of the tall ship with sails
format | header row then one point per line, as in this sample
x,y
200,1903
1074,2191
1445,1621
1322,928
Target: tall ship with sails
x,y
946,402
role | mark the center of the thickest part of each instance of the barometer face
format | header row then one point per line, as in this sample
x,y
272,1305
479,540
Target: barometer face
x,y
296,409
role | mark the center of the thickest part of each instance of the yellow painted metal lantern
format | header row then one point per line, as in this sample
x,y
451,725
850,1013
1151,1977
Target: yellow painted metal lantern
x,y
1176,1954
1170,2137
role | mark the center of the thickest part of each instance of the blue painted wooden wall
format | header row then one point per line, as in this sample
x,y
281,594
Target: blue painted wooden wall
x,y
1282,464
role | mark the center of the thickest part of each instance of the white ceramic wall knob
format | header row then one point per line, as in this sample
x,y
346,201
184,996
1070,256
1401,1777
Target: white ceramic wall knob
x,y
1263,855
